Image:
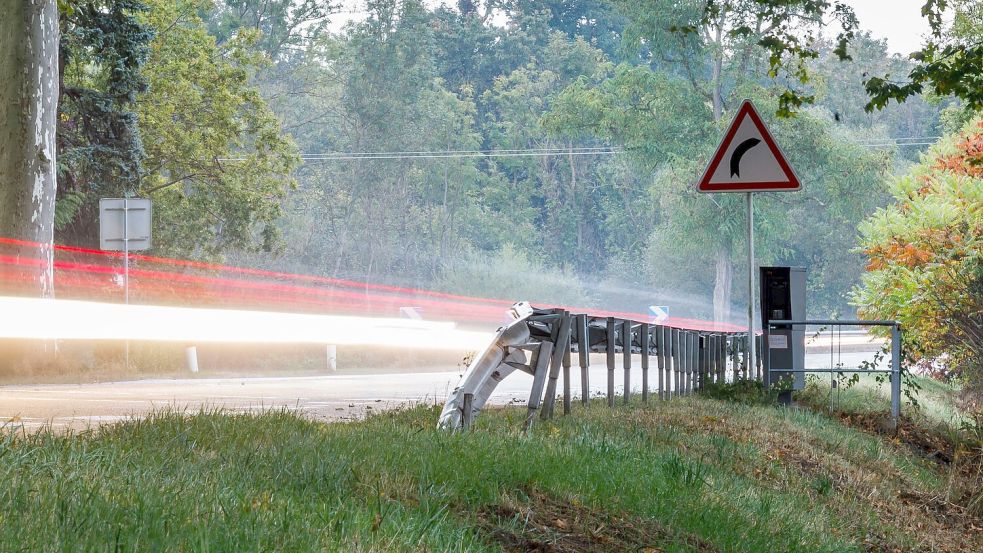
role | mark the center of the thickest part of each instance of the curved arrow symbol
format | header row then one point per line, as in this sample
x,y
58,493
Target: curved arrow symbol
x,y
739,151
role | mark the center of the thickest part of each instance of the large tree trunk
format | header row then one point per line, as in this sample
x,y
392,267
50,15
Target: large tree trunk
x,y
28,115
722,285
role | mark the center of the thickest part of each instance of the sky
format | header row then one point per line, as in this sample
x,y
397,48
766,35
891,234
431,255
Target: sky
x,y
898,21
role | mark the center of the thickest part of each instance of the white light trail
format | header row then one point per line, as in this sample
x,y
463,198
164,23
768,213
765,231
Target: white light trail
x,y
46,319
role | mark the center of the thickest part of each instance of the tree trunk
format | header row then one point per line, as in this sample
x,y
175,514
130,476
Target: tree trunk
x,y
722,285
28,114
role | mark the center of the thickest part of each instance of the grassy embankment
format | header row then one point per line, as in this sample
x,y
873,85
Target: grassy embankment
x,y
689,474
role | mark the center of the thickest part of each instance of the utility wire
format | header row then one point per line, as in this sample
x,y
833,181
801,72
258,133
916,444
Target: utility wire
x,y
534,152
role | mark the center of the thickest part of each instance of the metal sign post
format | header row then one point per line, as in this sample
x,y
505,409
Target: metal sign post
x,y
118,232
751,353
754,163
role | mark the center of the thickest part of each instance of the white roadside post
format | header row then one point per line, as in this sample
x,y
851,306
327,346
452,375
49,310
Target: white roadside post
x,y
755,163
332,357
191,354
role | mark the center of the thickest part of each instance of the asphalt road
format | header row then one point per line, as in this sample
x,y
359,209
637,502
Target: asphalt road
x,y
336,396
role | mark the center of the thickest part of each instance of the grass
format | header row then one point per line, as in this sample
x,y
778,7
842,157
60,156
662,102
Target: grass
x,y
936,400
688,474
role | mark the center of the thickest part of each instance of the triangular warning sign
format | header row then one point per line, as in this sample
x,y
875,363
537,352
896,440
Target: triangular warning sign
x,y
748,160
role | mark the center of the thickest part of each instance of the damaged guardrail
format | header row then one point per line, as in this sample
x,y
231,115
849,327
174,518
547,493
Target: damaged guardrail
x,y
685,360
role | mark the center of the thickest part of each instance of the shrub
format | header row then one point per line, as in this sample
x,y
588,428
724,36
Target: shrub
x,y
925,267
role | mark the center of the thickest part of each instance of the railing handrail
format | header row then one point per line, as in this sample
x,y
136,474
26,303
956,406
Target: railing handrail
x,y
834,322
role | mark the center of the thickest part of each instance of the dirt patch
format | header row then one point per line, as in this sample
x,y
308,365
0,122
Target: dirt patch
x,y
547,525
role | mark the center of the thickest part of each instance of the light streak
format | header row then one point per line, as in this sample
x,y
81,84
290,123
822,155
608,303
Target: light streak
x,y
307,292
45,319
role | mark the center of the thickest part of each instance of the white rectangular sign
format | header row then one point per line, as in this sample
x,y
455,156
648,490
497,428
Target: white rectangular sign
x,y
131,214
777,341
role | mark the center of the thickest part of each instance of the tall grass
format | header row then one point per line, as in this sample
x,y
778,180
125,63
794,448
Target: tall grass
x,y
743,478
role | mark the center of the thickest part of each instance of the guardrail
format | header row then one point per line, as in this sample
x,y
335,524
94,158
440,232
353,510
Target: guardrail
x,y
894,370
685,360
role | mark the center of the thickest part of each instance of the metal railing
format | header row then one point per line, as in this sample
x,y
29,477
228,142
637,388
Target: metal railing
x,y
894,370
684,360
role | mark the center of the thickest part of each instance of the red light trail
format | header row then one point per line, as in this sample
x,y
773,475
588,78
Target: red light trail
x,y
80,275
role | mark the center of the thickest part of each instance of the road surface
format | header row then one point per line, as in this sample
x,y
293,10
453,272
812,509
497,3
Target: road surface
x,y
330,397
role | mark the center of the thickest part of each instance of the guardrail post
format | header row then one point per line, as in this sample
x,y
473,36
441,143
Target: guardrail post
x,y
609,350
583,353
562,343
566,366
694,353
660,360
644,341
676,356
467,411
543,355
626,356
722,368
687,361
759,364
703,348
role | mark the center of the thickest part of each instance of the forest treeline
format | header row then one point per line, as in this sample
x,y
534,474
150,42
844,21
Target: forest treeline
x,y
248,121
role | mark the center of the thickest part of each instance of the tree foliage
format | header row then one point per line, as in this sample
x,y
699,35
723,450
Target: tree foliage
x,y
104,46
217,165
926,256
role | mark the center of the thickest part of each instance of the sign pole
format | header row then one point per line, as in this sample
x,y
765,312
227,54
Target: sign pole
x,y
752,358
126,254
126,271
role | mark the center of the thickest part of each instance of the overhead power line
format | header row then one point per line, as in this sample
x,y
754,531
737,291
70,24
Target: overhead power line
x,y
536,152
432,154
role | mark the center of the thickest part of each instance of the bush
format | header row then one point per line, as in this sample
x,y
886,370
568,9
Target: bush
x,y
926,268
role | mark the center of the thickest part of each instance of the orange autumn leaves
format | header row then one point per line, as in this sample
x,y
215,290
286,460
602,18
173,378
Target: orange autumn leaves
x,y
925,266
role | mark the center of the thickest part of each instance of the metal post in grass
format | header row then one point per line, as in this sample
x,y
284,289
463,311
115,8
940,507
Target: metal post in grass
x,y
467,411
722,369
543,355
695,359
686,351
583,352
719,354
566,368
758,366
562,343
609,350
694,353
676,357
895,374
644,341
660,360
702,349
626,356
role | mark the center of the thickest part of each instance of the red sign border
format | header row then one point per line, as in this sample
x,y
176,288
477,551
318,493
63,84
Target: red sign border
x,y
792,184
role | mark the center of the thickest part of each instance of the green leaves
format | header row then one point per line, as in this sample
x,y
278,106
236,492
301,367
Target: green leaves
x,y
925,267
217,163
949,64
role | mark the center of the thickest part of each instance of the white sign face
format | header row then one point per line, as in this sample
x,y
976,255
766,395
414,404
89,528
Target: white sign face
x,y
748,159
777,341
132,214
